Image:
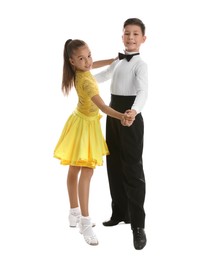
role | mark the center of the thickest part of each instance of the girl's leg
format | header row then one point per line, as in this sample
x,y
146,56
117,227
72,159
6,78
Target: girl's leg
x,y
83,191
84,187
72,185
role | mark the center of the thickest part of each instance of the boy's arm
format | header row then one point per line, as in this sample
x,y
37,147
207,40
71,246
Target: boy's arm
x,y
106,73
141,88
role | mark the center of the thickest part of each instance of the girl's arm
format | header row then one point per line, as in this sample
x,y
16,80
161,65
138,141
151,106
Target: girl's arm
x,y
98,101
102,63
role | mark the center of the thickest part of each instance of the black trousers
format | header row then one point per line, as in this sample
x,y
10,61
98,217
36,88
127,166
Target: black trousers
x,y
125,165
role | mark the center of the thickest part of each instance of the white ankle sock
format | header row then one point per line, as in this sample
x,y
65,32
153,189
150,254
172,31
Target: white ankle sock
x,y
75,211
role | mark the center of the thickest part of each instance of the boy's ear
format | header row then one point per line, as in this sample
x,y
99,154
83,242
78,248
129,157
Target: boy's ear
x,y
144,38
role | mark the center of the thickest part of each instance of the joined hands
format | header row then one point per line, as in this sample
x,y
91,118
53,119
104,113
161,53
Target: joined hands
x,y
129,117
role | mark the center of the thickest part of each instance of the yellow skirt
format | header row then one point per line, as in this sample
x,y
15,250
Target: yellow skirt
x,y
81,142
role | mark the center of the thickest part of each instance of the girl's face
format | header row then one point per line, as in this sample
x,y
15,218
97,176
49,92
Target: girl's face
x,y
81,59
132,38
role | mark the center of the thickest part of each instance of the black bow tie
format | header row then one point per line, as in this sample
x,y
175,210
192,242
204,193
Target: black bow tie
x,y
126,56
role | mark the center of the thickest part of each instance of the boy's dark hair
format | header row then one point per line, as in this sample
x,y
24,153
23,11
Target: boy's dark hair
x,y
135,21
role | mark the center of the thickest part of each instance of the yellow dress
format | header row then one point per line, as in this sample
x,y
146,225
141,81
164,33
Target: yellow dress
x,y
81,142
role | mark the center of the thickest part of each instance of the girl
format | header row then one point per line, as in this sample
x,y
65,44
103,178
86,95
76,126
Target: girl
x,y
81,144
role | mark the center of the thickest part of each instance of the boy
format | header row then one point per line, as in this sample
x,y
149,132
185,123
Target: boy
x,y
129,87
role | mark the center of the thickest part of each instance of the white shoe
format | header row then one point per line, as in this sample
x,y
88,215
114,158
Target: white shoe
x,y
85,228
73,220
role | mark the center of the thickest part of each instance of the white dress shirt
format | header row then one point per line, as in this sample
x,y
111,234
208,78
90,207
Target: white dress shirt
x,y
127,79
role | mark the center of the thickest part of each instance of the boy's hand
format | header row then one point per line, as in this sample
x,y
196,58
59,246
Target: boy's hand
x,y
132,113
129,117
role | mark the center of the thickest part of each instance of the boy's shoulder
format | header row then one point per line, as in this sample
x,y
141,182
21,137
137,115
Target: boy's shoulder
x,y
140,61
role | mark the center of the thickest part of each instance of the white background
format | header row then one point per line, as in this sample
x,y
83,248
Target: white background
x,y
33,195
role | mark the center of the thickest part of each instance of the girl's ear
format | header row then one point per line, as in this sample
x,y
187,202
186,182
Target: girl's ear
x,y
71,61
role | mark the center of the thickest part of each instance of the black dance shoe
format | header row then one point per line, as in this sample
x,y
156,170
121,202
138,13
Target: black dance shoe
x,y
139,238
113,222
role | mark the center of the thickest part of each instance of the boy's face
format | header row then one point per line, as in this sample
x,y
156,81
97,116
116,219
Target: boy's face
x,y
132,38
